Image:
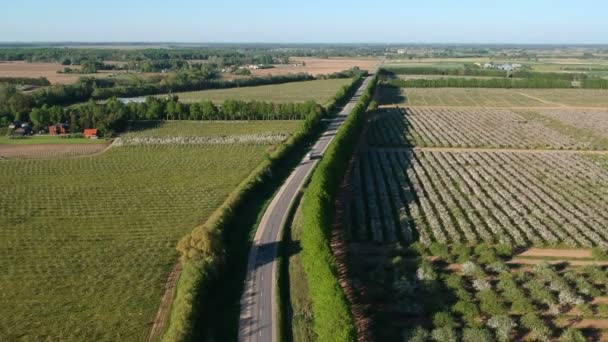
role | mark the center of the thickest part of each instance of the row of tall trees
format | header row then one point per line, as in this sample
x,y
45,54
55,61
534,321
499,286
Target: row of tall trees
x,y
37,81
113,115
15,105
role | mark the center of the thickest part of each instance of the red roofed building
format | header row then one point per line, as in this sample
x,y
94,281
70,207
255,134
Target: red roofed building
x,y
90,133
59,129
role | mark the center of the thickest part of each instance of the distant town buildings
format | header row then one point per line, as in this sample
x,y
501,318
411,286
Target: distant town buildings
x,y
503,66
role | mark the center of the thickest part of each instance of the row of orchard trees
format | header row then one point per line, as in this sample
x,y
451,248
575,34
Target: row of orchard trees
x,y
536,83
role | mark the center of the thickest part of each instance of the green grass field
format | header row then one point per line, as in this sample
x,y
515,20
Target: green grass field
x,y
319,90
212,128
47,139
86,243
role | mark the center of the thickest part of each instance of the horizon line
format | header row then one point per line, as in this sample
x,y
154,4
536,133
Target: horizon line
x,y
294,43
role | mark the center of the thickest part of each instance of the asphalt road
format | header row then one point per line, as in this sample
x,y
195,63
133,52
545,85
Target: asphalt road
x,y
258,319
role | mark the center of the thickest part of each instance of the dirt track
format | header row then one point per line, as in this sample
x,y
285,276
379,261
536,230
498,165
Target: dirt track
x,y
559,253
165,303
521,261
44,151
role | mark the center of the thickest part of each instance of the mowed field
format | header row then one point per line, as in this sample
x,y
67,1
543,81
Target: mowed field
x,y
86,243
444,198
319,90
318,66
459,97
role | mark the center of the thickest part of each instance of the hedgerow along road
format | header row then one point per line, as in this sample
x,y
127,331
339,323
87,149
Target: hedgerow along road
x,y
258,317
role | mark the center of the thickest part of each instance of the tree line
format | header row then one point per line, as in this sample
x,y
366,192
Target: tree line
x,y
113,115
35,81
15,105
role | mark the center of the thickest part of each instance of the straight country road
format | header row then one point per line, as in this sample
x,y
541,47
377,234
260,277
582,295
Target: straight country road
x,y
258,317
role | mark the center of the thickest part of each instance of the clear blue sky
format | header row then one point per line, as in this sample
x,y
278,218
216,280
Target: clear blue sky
x,y
424,21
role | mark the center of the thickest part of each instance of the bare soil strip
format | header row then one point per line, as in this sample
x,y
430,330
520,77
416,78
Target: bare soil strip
x,y
165,303
521,261
45,151
558,253
583,323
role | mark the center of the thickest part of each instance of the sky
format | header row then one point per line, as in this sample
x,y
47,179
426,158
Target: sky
x,y
307,21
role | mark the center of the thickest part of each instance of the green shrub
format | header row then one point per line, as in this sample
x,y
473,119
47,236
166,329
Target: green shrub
x,y
504,250
585,309
476,335
440,250
469,312
599,253
536,326
418,335
572,335
491,303
444,334
418,248
602,310
503,325
444,319
462,252
485,254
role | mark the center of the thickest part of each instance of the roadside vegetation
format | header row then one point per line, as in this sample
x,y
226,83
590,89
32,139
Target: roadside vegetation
x,y
214,253
331,314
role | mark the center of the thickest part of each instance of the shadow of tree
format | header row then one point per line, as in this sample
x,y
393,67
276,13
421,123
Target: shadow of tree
x,y
388,95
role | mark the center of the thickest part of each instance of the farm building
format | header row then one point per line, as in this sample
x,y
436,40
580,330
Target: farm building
x,y
90,133
20,129
59,129
21,132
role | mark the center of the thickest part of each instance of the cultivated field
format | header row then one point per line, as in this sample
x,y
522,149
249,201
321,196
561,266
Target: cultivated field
x,y
448,191
211,128
48,140
46,151
319,90
86,243
495,97
490,128
483,293
595,120
319,66
537,198
38,69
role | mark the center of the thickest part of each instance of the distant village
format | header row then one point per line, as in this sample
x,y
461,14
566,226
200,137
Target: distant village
x,y
500,66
